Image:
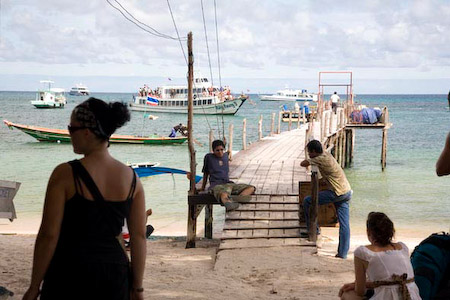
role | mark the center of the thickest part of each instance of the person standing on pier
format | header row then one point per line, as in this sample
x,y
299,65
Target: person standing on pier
x,y
338,192
215,167
334,101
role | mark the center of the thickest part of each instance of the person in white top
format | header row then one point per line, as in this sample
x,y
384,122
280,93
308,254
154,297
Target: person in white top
x,y
334,101
383,270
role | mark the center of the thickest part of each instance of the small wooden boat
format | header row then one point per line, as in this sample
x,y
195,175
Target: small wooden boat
x,y
61,135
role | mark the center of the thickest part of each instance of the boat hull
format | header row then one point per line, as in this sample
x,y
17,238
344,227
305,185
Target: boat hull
x,y
62,136
43,104
229,107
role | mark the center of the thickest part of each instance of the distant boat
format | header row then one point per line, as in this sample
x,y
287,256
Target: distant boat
x,y
49,97
79,90
290,95
61,135
208,99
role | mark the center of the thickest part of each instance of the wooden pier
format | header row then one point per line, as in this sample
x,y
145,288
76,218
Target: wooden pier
x,y
274,216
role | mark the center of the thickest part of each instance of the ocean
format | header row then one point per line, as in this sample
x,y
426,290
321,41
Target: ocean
x,y
408,190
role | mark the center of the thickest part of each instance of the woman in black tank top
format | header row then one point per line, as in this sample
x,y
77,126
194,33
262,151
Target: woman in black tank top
x,y
78,254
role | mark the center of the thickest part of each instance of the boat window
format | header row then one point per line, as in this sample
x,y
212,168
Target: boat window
x,y
209,101
204,102
195,102
185,103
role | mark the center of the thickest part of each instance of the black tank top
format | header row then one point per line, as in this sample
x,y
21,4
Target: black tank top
x,y
89,228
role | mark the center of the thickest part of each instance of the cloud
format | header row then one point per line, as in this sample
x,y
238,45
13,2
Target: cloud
x,y
266,38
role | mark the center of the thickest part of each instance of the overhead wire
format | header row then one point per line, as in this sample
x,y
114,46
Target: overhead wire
x,y
140,24
184,54
210,67
218,58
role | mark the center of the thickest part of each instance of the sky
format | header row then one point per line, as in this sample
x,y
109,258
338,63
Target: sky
x,y
391,47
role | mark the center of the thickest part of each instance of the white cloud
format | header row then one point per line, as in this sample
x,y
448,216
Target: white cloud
x,y
272,39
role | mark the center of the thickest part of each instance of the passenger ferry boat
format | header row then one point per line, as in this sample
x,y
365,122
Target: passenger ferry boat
x,y
79,90
49,97
208,99
290,95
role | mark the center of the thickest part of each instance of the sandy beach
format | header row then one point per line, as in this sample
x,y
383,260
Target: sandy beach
x,y
173,272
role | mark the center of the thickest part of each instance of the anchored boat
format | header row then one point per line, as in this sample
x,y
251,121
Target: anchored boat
x,y
49,97
79,90
290,95
61,135
208,99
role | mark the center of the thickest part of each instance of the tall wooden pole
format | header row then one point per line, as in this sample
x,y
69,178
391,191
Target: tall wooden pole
x,y
192,209
193,164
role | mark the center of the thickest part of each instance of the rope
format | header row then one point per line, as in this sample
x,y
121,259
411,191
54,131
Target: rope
x,y
209,62
185,59
218,60
141,25
397,280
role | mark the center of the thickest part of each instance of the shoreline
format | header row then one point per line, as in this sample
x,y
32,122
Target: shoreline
x,y
289,272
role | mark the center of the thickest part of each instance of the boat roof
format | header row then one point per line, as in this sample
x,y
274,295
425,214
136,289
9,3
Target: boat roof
x,y
57,90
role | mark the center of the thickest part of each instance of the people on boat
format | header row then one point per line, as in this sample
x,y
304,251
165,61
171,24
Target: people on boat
x,y
78,254
383,269
216,169
338,192
334,99
443,163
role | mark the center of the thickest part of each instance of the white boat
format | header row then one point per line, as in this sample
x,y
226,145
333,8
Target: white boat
x,y
290,95
49,97
208,99
79,90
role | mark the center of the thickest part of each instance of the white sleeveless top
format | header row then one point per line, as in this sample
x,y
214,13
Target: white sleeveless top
x,y
382,265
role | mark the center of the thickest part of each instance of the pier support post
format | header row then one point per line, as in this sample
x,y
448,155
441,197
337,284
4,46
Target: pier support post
x,y
230,140
290,121
314,207
304,115
272,126
244,134
260,135
349,146
209,221
211,139
192,226
344,146
279,122
383,149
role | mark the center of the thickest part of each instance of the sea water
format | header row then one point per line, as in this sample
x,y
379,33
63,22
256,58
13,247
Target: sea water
x,y
408,190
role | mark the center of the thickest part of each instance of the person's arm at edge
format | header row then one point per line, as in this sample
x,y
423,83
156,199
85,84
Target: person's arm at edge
x,y
360,274
443,163
138,246
305,163
50,228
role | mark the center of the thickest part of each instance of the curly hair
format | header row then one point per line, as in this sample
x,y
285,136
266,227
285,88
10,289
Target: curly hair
x,y
380,228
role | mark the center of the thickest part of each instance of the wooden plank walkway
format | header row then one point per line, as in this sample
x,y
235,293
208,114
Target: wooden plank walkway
x,y
271,218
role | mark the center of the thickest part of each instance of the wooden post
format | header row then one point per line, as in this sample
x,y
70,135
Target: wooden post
x,y
304,115
244,134
260,135
336,147
211,139
344,148
192,209
314,208
298,118
384,149
330,122
230,140
272,126
279,122
352,146
209,221
290,121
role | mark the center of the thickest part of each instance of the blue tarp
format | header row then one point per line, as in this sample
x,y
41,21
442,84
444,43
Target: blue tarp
x,y
150,171
370,115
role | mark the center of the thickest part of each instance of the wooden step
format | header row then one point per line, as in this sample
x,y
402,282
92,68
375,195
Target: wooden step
x,y
260,233
264,243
